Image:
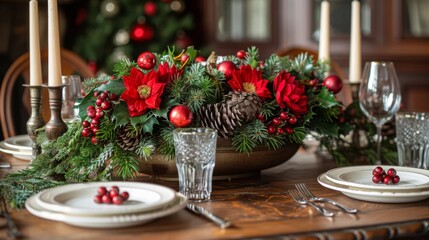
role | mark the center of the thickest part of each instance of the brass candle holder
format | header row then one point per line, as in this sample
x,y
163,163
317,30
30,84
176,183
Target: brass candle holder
x,y
56,125
35,121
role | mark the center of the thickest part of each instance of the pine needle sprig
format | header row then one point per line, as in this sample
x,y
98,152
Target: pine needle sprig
x,y
166,142
274,142
145,148
123,67
272,67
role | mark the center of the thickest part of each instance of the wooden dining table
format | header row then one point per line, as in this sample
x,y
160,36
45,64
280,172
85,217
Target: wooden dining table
x,y
259,207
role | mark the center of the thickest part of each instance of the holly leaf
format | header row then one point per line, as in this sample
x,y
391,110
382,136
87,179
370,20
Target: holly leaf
x,y
120,114
164,108
114,86
140,119
83,103
148,125
326,98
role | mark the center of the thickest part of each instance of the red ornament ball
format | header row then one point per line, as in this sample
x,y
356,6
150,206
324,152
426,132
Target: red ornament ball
x,y
150,8
241,54
141,32
227,67
180,116
200,59
146,60
333,83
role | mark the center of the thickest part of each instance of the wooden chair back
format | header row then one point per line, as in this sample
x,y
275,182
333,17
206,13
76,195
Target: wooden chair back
x,y
18,74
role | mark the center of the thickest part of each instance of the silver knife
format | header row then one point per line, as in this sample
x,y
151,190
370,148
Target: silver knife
x,y
209,215
4,163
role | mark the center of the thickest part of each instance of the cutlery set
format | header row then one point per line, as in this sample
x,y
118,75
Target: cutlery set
x,y
304,196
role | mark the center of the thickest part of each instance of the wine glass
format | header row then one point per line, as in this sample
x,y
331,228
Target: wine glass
x,y
71,92
379,95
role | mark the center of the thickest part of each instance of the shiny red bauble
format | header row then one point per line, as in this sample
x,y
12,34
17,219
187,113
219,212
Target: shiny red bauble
x,y
241,54
333,83
180,116
146,60
200,59
227,67
150,8
142,33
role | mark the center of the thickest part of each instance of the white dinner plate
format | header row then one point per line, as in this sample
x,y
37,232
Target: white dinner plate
x,y
361,177
78,199
20,142
20,154
106,221
374,195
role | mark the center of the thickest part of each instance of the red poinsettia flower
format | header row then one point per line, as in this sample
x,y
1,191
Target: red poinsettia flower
x,y
249,80
167,74
289,93
142,91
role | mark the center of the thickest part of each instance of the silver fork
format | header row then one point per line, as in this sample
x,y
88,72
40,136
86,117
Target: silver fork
x,y
301,200
302,188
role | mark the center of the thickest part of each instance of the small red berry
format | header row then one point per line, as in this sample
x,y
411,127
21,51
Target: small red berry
x,y
98,101
125,195
283,116
292,120
101,191
391,172
288,130
106,105
95,140
104,95
95,94
98,199
261,117
106,199
387,180
113,97
115,189
98,114
277,121
396,179
271,129
184,58
86,132
117,199
113,193
85,124
378,171
200,59
241,54
91,112
280,131
376,179
341,119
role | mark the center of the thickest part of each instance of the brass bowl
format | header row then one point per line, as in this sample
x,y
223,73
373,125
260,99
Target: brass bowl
x,y
229,163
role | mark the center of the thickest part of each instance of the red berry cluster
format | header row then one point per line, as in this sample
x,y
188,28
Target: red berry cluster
x,y
380,176
103,104
281,124
111,196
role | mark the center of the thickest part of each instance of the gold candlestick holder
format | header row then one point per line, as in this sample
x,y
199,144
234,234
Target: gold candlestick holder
x,y
56,125
35,121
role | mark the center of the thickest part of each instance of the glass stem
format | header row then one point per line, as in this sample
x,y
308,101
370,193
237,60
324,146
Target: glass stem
x,y
379,144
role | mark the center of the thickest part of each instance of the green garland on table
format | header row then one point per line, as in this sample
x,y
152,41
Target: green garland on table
x,y
124,135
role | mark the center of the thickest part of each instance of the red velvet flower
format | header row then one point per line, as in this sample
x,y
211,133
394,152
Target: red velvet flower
x,y
249,80
167,74
142,91
289,93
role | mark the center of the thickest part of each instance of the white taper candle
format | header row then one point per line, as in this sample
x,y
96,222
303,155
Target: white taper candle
x,y
54,56
355,64
35,60
324,49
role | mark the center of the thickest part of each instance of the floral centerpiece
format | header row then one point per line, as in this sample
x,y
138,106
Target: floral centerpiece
x,y
131,114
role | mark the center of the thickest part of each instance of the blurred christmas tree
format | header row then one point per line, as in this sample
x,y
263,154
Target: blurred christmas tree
x,y
116,29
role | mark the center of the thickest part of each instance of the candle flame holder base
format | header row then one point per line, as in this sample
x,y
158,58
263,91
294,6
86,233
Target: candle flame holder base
x,y
56,125
35,121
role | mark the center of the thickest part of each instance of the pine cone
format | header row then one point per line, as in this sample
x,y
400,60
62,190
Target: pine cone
x,y
236,109
127,140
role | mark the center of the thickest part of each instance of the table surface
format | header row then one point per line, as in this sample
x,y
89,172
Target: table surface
x,y
259,208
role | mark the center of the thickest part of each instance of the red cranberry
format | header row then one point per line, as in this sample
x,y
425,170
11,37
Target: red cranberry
x,y
106,105
106,199
376,178
85,124
271,129
113,97
125,195
101,191
86,132
288,130
280,131
115,188
391,172
104,95
378,171
91,113
98,199
396,179
113,193
98,102
117,200
387,180
95,140
184,58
